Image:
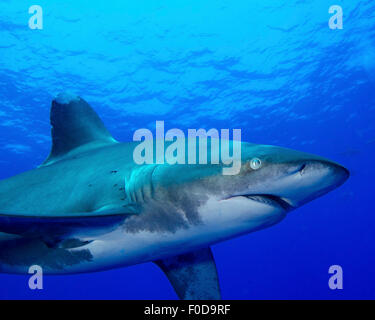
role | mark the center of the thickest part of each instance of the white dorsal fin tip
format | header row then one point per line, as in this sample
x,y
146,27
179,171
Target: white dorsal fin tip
x,y
66,98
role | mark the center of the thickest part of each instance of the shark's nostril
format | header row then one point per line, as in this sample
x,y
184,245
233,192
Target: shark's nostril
x,y
298,169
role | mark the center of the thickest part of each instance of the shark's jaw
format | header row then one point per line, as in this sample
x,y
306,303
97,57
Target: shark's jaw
x,y
289,185
263,198
269,200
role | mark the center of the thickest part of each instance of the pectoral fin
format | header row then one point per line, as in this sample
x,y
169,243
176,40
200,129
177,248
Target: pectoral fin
x,y
56,228
193,275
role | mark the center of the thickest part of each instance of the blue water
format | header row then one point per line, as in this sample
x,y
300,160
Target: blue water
x,y
270,67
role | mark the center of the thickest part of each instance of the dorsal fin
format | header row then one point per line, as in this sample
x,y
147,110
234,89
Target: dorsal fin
x,y
74,124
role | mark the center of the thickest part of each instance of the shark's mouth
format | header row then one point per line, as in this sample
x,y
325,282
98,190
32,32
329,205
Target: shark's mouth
x,y
269,199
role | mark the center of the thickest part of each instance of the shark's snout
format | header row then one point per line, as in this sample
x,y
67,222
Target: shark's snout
x,y
306,180
319,177
340,172
287,178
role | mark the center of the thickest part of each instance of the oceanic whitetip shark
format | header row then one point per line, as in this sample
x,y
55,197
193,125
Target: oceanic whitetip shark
x,y
90,207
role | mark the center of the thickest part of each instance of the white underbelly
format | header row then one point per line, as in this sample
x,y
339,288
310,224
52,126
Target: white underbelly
x,y
220,220
122,248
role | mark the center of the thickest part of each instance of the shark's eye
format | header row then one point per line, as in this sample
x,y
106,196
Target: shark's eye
x,y
255,164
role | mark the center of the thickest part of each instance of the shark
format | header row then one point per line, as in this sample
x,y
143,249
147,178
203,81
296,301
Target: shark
x,y
89,207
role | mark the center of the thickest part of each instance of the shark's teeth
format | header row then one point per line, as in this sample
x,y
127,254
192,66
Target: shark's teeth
x,y
270,200
259,199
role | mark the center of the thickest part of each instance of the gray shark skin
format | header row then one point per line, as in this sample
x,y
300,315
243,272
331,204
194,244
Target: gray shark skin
x,y
90,207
